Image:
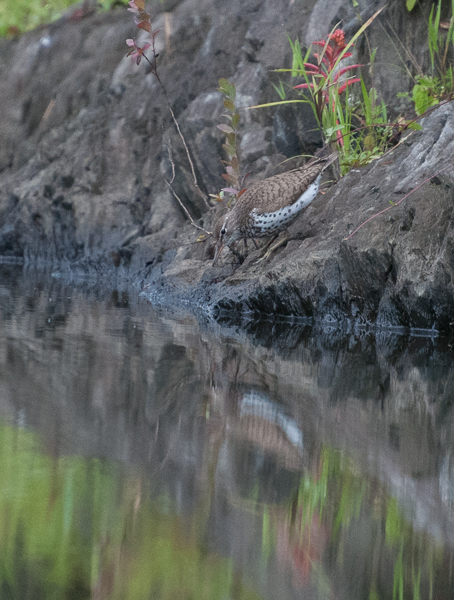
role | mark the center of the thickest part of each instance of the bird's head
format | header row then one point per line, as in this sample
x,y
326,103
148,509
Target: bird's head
x,y
225,233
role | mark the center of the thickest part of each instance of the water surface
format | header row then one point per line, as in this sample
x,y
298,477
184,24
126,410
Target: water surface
x,y
146,454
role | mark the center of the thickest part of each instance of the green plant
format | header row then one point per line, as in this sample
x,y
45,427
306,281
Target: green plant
x,y
323,79
427,92
355,124
22,15
17,16
232,164
435,41
368,141
359,129
280,90
430,89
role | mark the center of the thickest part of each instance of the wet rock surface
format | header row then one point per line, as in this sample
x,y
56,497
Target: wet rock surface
x,y
85,146
394,271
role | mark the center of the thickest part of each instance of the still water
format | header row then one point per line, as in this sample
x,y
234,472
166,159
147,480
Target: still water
x,y
145,454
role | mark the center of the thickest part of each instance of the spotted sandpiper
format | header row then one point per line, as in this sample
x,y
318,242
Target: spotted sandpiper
x,y
270,206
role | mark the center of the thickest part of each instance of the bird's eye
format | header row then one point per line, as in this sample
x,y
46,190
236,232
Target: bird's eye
x,y
223,231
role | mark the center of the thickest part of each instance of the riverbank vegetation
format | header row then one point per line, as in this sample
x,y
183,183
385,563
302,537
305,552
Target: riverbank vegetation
x,y
17,16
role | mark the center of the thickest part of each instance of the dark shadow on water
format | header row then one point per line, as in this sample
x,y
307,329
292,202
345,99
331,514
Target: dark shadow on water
x,y
151,454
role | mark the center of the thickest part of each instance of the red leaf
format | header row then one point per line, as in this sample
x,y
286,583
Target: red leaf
x,y
241,192
137,4
231,190
326,62
347,83
228,178
144,25
345,70
311,66
339,50
303,86
349,68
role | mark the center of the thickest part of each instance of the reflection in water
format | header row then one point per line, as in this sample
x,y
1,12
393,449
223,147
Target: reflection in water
x,y
150,456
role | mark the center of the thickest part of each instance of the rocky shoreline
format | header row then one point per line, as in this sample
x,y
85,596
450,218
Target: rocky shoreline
x,y
84,154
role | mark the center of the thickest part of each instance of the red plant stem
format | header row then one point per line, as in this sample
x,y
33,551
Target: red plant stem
x,y
397,203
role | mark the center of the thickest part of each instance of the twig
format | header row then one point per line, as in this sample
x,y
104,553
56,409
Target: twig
x,y
406,50
397,203
169,183
401,141
143,21
154,70
188,214
170,159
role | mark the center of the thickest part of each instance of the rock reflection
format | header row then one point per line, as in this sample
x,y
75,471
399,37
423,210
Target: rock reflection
x,y
256,460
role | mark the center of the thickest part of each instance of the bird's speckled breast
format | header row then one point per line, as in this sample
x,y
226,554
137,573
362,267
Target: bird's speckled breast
x,y
269,223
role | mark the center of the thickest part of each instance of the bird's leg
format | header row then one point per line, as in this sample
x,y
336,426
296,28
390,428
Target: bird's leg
x,y
271,249
255,243
268,244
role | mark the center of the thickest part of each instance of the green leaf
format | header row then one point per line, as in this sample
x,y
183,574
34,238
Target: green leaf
x,y
297,58
369,142
227,88
415,126
276,104
449,80
433,24
330,131
231,138
229,105
423,99
229,149
235,120
224,85
367,103
411,4
280,90
372,56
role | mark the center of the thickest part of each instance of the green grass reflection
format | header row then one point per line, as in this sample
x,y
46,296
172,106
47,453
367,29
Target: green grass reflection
x,y
78,528
342,529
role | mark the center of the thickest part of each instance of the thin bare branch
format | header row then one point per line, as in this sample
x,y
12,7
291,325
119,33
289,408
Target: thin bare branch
x,y
397,203
188,214
407,51
188,154
154,69
171,160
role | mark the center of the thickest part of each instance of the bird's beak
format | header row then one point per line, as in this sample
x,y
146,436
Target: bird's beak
x,y
217,252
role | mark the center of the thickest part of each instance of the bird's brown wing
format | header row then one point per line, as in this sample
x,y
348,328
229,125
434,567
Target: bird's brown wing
x,y
280,190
